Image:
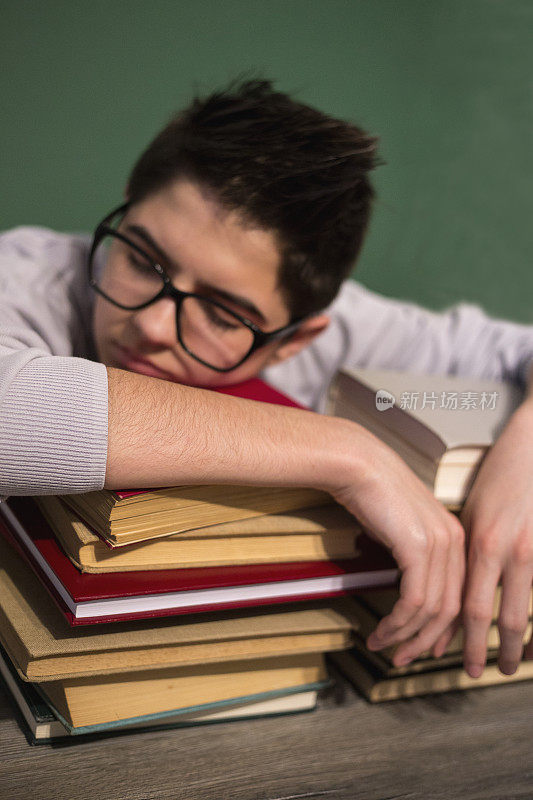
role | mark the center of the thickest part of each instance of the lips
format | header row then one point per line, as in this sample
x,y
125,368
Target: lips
x,y
135,363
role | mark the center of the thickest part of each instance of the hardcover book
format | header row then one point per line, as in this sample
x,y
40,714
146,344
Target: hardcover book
x,y
441,425
41,721
378,688
84,703
374,674
43,646
324,533
91,598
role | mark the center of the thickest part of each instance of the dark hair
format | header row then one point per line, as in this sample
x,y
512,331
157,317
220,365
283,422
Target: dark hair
x,y
285,167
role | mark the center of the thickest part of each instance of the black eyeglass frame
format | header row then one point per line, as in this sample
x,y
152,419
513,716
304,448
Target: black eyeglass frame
x,y
260,339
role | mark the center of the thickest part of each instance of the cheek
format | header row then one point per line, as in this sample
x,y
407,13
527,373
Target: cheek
x,y
103,318
200,377
250,369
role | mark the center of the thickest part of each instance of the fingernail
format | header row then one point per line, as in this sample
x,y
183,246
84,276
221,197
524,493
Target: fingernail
x,y
474,670
403,661
507,668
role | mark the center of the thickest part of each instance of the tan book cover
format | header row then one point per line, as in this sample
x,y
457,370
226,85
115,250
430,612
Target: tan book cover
x,y
441,425
178,509
323,533
373,672
98,700
44,647
383,658
369,607
378,689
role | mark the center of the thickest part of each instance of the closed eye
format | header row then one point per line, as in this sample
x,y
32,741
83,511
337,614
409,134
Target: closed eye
x,y
217,317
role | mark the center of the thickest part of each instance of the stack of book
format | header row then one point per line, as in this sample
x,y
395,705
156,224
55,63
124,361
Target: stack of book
x,y
442,426
374,674
188,605
176,606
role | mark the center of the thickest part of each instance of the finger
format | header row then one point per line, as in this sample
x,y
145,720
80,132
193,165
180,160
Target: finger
x,y
444,641
449,610
412,596
482,580
528,649
435,585
513,616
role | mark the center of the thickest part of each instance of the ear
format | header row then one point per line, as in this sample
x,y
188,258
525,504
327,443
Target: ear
x,y
299,339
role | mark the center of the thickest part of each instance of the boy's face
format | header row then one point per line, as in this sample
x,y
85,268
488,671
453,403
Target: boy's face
x,y
208,249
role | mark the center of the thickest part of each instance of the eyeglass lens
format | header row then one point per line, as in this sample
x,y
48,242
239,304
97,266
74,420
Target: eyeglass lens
x,y
207,330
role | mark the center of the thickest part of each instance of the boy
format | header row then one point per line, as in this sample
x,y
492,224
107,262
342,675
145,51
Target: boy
x,y
242,220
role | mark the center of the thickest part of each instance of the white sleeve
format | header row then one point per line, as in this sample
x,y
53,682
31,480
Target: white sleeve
x,y
370,330
53,407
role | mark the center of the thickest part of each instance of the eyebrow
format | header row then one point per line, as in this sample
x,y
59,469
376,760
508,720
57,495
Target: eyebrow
x,y
234,298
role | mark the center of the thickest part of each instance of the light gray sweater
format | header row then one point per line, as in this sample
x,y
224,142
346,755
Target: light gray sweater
x,y
53,392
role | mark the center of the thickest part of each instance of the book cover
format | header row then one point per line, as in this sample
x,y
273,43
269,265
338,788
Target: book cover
x,y
441,425
41,724
91,598
43,646
376,688
317,534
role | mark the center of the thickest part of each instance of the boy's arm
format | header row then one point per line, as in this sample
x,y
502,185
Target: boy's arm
x,y
375,331
498,518
70,424
162,433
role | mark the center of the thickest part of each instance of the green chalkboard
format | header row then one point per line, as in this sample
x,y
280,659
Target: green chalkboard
x,y
446,85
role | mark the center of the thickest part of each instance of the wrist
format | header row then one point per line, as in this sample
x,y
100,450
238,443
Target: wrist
x,y
352,457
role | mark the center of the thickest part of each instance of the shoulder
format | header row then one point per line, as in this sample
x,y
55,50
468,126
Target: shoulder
x,y
44,287
354,296
34,247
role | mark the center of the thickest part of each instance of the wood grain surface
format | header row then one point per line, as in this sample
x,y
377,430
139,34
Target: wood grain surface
x,y
475,745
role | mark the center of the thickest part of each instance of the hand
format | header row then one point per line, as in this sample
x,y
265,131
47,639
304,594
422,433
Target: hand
x,y
498,519
426,540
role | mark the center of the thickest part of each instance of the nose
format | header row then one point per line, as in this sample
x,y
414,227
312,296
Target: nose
x,y
156,324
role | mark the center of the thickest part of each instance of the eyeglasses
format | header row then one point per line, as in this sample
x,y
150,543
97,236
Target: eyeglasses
x,y
211,332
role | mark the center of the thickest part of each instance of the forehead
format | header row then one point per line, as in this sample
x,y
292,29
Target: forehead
x,y
214,246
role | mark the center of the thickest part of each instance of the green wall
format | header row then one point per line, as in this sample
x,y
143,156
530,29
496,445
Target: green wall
x,y
446,85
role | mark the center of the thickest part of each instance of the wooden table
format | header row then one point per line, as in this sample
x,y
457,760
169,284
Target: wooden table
x,y
475,745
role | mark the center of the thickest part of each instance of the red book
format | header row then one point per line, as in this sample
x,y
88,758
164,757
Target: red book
x,y
90,598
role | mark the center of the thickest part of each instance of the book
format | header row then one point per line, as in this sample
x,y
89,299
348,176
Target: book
x,y
318,534
44,647
441,425
90,598
135,515
127,517
370,607
377,688
127,697
41,724
375,675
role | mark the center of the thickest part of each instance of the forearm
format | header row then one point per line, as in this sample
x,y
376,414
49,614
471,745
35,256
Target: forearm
x,y
165,434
